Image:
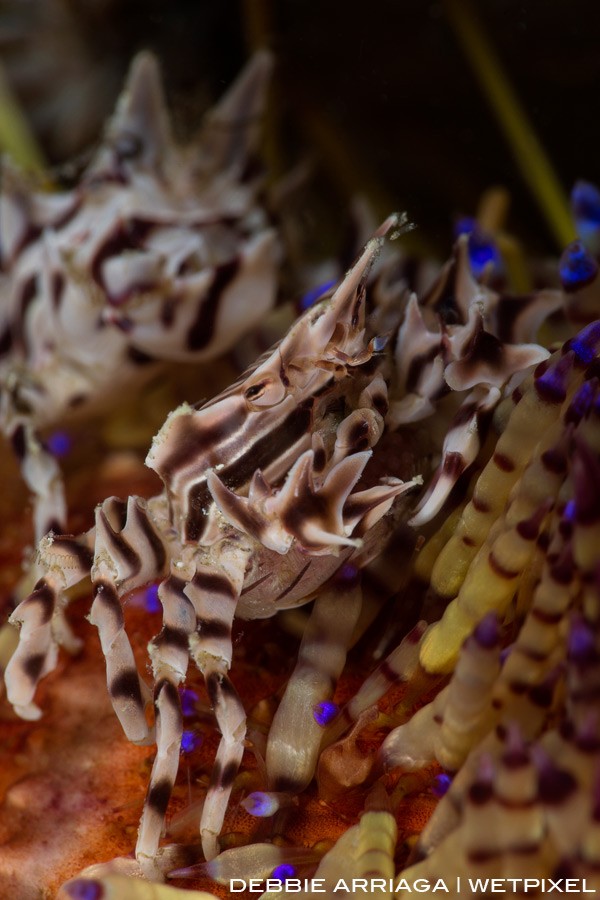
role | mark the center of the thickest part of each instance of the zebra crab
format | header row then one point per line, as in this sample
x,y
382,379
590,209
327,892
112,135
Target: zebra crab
x,y
259,513
149,258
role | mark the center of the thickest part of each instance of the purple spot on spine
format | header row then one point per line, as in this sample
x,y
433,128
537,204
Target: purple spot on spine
x,y
482,249
83,889
504,654
464,225
440,784
325,712
577,267
283,872
487,632
189,699
482,252
311,297
551,385
151,601
59,443
347,574
585,203
582,648
190,741
582,402
570,511
585,344
260,804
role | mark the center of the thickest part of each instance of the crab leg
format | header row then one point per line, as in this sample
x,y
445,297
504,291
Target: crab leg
x,y
295,735
169,652
214,593
129,553
42,475
65,561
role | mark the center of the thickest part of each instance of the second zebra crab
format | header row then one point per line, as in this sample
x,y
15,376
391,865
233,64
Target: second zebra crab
x,y
260,512
158,253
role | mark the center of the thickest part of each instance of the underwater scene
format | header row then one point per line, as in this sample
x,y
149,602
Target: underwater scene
x,y
300,449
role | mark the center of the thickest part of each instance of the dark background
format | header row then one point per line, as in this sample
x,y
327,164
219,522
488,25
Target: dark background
x,y
379,91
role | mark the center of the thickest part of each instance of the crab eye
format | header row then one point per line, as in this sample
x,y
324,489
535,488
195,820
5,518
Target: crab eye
x,y
267,392
255,391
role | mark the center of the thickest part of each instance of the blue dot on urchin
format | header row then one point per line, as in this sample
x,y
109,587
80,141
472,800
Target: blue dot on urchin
x,y
325,712
570,511
482,253
440,784
59,443
577,267
260,804
189,699
190,741
585,203
481,247
84,889
464,225
581,642
487,631
585,200
585,345
583,401
347,575
283,872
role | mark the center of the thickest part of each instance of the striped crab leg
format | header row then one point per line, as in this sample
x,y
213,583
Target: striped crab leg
x,y
199,603
170,655
127,553
42,475
214,593
65,561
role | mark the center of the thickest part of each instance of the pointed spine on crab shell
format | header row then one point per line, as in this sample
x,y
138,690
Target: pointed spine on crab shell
x,y
319,518
336,324
139,134
230,132
140,128
466,341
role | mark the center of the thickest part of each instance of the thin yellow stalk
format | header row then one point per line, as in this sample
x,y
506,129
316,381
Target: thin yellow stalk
x,y
524,143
